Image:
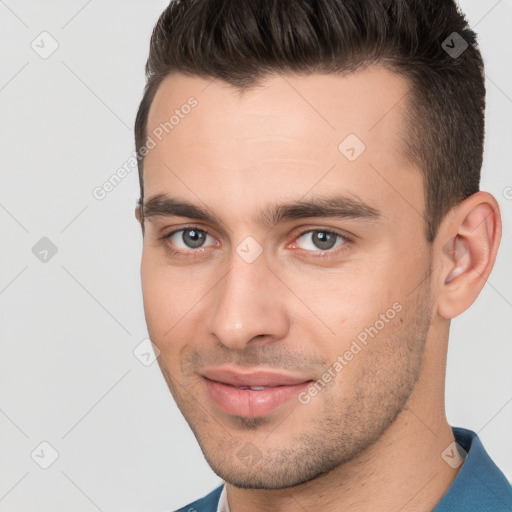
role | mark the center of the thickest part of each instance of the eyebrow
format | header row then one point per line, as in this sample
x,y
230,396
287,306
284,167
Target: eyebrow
x,y
338,206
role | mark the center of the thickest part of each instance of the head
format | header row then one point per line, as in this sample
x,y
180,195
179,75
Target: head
x,y
312,213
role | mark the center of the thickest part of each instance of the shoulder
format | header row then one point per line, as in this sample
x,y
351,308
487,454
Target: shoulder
x,y
206,504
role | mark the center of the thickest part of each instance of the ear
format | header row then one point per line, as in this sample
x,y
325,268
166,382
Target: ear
x,y
466,248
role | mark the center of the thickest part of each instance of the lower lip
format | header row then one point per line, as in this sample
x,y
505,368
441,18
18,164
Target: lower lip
x,y
249,403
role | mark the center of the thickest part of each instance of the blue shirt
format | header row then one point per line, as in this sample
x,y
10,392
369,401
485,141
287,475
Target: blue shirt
x,y
479,486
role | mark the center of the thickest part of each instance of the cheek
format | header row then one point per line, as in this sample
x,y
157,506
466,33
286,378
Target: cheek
x,y
163,298
172,297
361,301
346,300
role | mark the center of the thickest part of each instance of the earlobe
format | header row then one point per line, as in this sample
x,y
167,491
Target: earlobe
x,y
469,241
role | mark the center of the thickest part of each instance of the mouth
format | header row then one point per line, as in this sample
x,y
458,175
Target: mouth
x,y
251,394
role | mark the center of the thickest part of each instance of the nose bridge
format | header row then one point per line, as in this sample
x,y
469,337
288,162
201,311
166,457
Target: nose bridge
x,y
246,301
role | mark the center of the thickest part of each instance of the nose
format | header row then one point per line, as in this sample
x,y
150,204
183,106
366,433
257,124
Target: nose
x,y
248,305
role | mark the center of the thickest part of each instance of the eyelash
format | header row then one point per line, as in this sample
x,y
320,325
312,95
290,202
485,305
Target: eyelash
x,y
315,254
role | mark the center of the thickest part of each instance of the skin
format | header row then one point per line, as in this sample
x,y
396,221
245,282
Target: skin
x,y
373,437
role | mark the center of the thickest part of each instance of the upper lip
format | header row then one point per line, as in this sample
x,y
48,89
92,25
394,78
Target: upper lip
x,y
252,378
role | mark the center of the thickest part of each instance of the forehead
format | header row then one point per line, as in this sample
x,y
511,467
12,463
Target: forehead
x,y
288,130
363,98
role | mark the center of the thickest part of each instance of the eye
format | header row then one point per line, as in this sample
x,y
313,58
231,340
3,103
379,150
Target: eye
x,y
188,238
193,241
320,240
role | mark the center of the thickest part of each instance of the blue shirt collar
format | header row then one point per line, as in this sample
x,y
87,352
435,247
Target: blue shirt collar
x,y
479,485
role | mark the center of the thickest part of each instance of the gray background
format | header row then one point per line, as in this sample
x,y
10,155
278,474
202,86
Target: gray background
x,y
69,325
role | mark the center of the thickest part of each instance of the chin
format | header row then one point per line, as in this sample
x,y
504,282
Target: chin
x,y
268,474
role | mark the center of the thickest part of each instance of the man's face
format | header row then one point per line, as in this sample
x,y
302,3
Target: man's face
x,y
329,314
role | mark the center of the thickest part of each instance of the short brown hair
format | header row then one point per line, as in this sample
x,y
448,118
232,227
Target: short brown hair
x,y
243,41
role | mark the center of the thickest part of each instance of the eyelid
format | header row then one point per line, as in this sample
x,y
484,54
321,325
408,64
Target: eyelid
x,y
184,227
